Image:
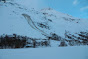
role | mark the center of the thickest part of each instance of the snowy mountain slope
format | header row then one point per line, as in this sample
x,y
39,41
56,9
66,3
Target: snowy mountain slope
x,y
32,24
12,21
51,22
62,22
47,20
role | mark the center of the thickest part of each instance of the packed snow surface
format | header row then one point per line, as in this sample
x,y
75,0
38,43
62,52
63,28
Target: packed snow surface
x,y
78,52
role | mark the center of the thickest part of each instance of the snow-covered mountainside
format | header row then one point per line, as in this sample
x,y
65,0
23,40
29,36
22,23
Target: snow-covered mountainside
x,y
18,19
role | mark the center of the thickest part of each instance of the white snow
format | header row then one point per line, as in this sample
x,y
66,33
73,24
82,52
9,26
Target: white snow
x,y
12,21
78,52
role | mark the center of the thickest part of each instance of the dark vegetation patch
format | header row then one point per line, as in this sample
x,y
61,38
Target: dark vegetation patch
x,y
80,39
17,41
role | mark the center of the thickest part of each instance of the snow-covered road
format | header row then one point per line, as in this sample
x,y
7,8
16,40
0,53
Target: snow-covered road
x,y
46,53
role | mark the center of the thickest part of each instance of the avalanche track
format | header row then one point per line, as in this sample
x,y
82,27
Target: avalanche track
x,y
32,24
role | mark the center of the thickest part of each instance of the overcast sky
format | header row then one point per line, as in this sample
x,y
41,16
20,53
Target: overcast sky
x,y
76,8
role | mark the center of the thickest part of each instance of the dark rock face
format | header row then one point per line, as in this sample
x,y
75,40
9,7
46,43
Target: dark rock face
x,y
42,25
